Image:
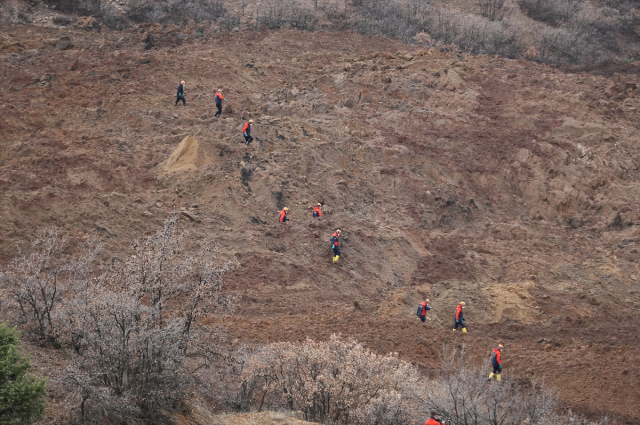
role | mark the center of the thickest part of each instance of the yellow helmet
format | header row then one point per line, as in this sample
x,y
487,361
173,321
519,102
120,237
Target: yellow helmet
x,y
462,303
251,121
338,231
182,82
500,346
286,209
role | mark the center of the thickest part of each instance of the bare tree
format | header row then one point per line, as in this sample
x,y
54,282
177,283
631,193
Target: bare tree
x,y
40,280
491,9
133,327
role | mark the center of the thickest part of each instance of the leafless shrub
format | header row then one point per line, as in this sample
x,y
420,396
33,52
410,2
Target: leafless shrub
x,y
274,14
337,382
491,9
40,280
132,327
62,21
471,33
553,12
340,382
176,11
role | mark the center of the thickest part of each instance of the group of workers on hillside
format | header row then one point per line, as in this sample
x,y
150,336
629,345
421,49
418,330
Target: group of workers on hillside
x,y
496,355
181,96
496,359
317,213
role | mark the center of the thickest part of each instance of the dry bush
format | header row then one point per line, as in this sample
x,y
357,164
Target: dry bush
x,y
341,382
473,33
553,12
132,326
39,281
334,382
176,11
491,9
275,14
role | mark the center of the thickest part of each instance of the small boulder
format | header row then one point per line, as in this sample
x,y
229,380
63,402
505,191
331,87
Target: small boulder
x,y
449,80
576,222
64,43
365,96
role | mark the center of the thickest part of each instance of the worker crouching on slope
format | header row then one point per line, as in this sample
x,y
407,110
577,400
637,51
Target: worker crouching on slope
x,y
283,215
181,94
423,308
496,362
460,318
246,130
317,213
335,244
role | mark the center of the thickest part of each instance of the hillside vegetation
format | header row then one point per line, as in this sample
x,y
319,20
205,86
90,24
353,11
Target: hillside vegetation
x,y
550,31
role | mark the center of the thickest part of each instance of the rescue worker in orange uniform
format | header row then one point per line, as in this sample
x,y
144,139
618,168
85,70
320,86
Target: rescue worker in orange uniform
x,y
219,100
460,318
246,131
317,213
496,362
283,215
335,244
433,420
422,310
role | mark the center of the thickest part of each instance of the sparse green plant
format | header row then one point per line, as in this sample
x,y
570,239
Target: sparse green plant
x,y
21,394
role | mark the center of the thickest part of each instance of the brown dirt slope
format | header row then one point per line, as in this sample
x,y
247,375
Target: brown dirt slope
x,y
507,184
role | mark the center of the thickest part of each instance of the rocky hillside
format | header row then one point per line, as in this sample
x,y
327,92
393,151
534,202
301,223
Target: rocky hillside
x,y
507,184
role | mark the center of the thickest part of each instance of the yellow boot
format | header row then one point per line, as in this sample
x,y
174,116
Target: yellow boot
x,y
454,330
336,258
491,376
464,330
498,377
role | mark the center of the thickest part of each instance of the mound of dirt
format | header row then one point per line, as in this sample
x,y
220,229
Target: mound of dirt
x,y
187,156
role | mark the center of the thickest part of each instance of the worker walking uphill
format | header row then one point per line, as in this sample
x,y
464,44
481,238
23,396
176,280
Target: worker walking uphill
x,y
335,244
246,130
460,318
317,213
283,215
181,94
219,100
433,420
423,308
496,362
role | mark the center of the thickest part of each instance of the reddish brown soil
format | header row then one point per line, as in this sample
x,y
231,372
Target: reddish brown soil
x,y
517,192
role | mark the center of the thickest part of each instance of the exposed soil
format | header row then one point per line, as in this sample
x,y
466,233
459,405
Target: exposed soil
x,y
507,184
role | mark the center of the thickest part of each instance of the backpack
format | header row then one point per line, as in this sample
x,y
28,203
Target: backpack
x,y
419,311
